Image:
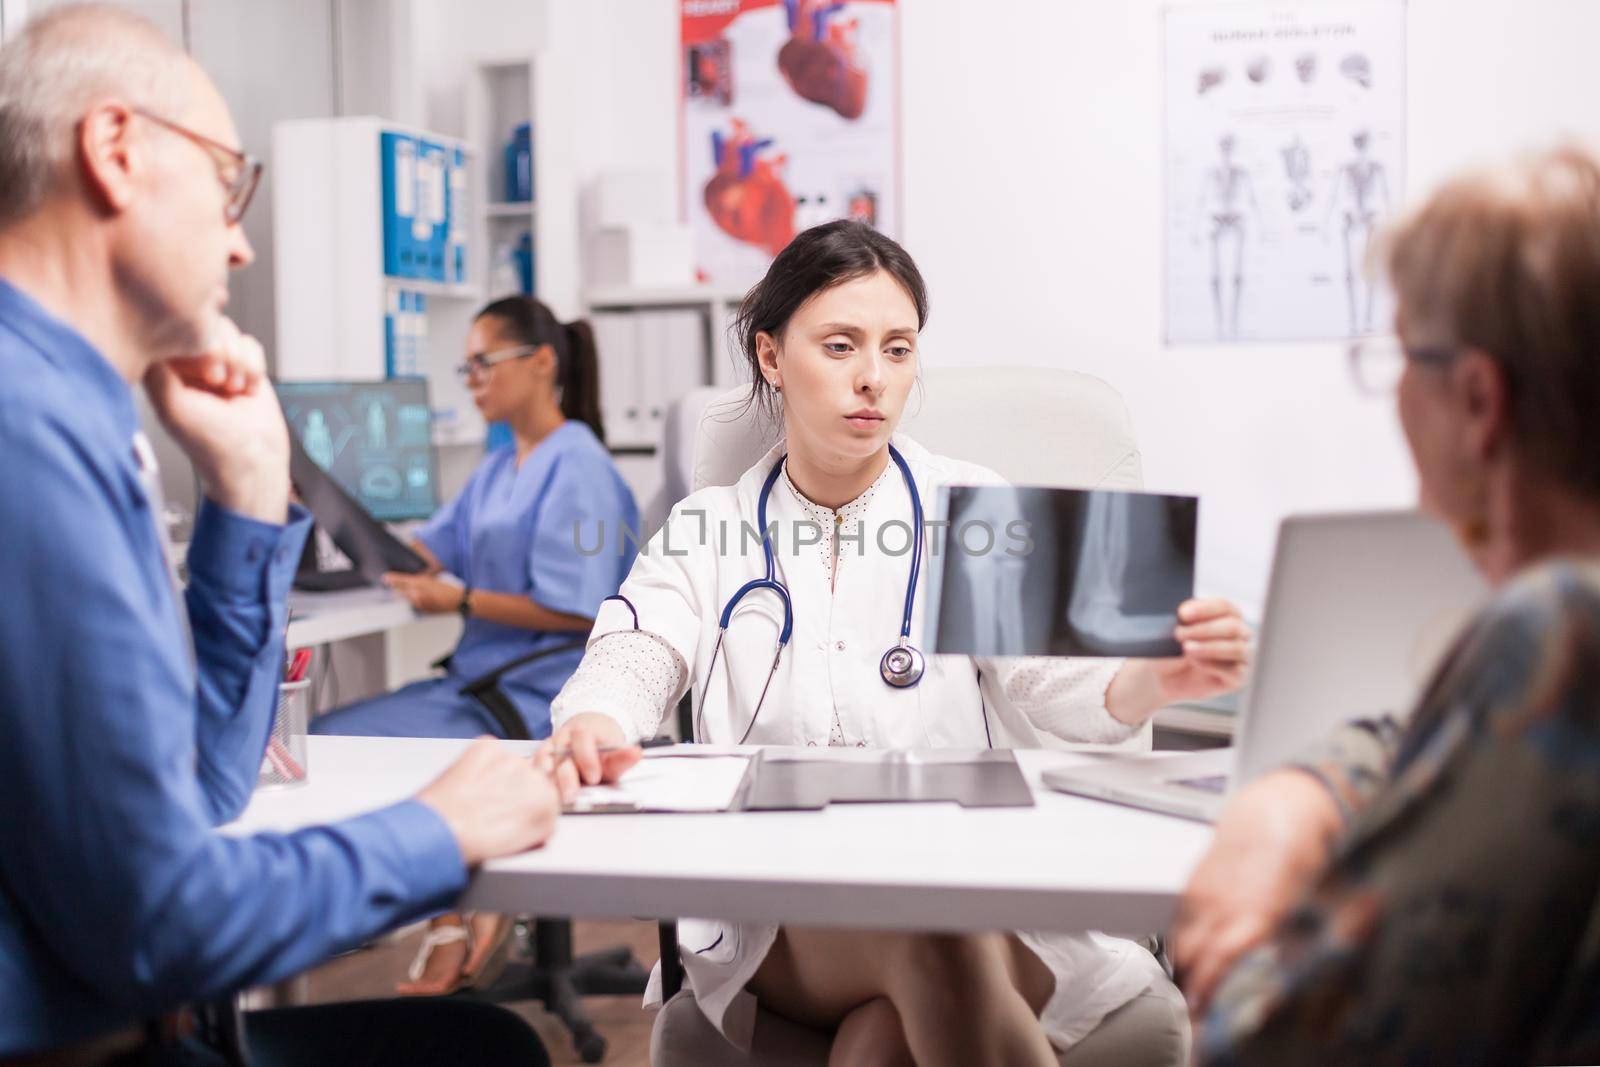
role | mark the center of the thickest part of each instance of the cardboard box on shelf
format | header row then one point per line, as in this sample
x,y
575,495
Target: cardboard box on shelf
x,y
642,256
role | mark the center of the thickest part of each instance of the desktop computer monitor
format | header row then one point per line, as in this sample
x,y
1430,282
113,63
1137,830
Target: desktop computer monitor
x,y
374,438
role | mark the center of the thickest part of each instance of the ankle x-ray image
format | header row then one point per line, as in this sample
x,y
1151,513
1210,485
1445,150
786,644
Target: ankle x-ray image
x,y
1060,572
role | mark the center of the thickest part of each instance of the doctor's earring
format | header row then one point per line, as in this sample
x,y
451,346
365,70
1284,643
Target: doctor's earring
x,y
1474,529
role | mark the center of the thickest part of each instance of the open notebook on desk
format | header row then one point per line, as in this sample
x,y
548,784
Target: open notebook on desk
x,y
674,781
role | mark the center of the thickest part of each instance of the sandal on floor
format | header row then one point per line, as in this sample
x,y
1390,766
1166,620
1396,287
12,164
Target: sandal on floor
x,y
494,964
437,937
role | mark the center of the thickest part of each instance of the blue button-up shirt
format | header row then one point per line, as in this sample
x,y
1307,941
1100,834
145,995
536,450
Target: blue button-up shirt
x,y
119,758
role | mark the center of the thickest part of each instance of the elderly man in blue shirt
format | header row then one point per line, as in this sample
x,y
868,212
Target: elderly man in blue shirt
x,y
133,724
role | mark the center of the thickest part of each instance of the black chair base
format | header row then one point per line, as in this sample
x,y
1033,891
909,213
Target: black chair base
x,y
559,981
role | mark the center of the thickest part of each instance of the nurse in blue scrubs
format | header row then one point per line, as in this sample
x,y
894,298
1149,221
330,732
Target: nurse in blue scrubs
x,y
521,537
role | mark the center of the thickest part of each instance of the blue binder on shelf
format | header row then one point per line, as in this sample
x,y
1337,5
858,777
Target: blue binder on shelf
x,y
398,154
419,336
456,222
497,435
433,208
392,298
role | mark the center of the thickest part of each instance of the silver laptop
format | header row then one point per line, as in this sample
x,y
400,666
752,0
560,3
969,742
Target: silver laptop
x,y
1360,609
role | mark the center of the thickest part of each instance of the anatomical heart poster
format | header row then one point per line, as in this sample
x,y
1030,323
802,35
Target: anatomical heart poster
x,y
790,119
1285,156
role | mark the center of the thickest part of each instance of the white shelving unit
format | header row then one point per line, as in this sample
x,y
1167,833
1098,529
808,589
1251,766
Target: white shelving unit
x,y
502,94
332,292
698,296
642,330
512,209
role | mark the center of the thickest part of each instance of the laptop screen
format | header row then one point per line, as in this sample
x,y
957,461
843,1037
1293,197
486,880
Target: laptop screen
x,y
374,438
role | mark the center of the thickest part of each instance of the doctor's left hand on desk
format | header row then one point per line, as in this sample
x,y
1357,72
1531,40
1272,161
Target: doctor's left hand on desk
x,y
1216,660
585,734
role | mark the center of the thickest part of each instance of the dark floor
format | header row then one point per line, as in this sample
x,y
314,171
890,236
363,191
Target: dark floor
x,y
625,1024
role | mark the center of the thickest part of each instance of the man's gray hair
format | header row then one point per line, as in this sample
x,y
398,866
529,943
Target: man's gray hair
x,y
51,73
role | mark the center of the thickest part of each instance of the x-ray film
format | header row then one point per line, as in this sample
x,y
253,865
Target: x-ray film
x,y
1060,572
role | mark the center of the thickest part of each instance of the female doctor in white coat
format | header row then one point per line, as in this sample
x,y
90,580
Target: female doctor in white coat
x,y
831,336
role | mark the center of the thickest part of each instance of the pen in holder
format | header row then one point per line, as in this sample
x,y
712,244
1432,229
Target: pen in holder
x,y
285,760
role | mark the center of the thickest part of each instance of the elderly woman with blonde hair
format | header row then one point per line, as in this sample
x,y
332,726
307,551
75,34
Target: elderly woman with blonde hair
x,y
1426,891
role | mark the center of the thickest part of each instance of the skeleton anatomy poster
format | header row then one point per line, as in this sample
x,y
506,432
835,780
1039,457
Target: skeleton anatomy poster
x,y
790,119
1285,152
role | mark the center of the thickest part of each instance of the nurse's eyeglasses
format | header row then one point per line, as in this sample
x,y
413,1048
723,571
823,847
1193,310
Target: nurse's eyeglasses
x,y
481,363
239,172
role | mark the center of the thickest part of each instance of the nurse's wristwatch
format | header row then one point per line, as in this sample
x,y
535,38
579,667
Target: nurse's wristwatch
x,y
464,609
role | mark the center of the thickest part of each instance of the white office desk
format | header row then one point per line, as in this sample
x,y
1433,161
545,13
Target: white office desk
x,y
1067,864
400,647
320,618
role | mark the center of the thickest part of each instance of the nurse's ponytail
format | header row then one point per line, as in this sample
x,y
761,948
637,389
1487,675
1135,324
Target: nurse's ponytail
x,y
580,379
526,321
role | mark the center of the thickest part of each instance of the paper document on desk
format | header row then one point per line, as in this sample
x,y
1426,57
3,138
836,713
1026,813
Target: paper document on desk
x,y
668,783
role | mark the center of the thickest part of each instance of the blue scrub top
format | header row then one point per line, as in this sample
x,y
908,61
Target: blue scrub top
x,y
561,529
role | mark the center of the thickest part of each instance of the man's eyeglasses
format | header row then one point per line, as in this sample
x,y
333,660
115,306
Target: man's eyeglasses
x,y
238,172
1377,363
484,362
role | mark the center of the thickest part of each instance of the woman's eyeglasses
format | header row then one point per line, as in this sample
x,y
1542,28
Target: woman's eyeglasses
x,y
239,173
481,363
1377,363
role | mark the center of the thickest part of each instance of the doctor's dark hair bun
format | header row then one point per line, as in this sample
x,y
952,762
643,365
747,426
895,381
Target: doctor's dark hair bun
x,y
525,321
816,260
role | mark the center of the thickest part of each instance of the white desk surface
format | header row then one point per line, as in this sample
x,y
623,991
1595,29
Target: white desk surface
x,y
1068,864
318,618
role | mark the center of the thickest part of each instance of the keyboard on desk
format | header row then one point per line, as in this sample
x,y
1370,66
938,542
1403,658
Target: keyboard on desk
x,y
330,581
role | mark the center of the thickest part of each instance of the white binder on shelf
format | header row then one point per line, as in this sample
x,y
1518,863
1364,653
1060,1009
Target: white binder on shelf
x,y
675,364
616,337
728,366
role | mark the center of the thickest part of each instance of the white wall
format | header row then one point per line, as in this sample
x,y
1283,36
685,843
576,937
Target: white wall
x,y
1032,137
611,65
272,63
1066,265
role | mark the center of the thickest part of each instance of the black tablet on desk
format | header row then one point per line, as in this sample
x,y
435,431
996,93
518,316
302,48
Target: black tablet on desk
x,y
369,544
806,779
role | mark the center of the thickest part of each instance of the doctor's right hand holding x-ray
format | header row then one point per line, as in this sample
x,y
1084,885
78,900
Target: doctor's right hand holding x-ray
x,y
803,637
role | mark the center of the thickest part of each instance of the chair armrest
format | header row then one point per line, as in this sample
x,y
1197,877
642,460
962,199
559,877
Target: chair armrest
x,y
490,679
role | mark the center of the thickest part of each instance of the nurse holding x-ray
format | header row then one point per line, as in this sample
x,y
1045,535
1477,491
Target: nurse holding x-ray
x,y
805,638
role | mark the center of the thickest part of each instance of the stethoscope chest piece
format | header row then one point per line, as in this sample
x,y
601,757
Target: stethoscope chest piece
x,y
901,666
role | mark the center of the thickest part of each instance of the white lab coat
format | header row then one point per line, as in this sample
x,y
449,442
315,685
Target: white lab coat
x,y
679,585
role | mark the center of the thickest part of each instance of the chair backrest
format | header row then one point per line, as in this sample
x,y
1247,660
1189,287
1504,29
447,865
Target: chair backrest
x,y
1030,425
679,429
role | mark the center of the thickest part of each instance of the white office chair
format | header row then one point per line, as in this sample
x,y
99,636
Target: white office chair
x,y
1032,426
679,430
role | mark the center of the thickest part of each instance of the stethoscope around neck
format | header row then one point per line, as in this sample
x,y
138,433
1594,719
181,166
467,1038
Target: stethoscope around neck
x,y
901,666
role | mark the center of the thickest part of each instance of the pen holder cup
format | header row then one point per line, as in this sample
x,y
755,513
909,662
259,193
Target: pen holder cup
x,y
284,762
